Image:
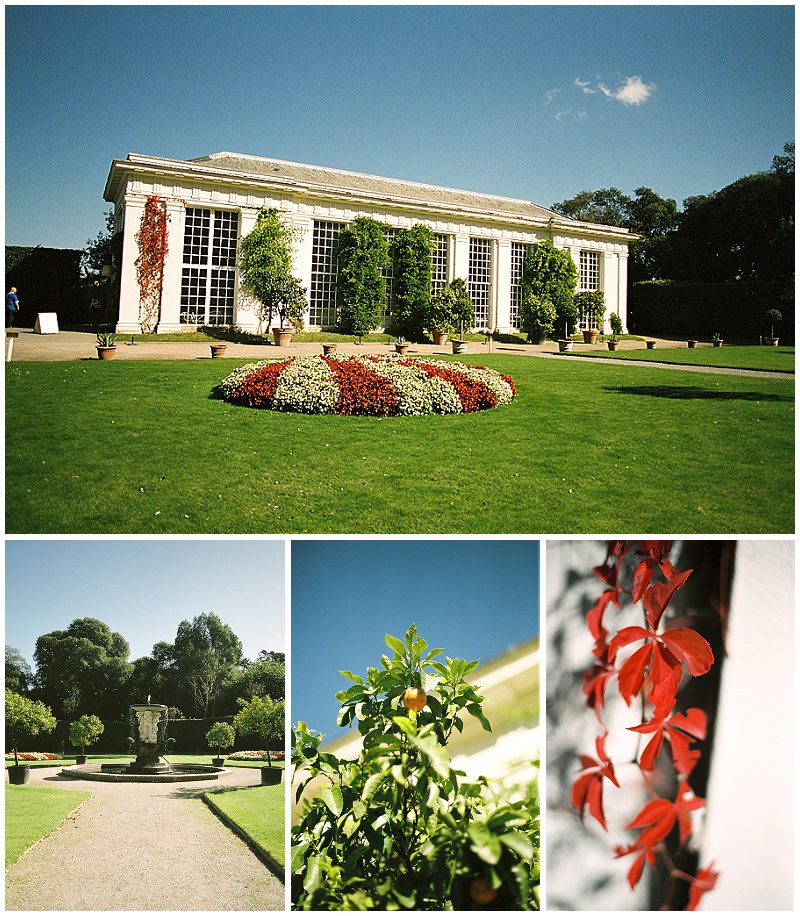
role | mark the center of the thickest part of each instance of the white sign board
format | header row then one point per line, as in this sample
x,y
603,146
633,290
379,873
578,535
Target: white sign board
x,y
46,323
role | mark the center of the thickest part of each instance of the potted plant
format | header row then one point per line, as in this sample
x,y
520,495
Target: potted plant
x,y
716,340
220,736
24,717
450,308
616,330
264,717
691,343
218,350
106,345
773,316
565,343
401,346
82,733
591,307
538,317
328,348
651,344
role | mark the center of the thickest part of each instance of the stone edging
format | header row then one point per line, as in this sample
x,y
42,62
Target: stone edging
x,y
267,859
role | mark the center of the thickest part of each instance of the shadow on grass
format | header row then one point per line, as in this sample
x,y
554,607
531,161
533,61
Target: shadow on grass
x,y
678,393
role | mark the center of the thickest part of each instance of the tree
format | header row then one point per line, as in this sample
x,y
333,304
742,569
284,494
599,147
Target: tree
x,y
451,308
258,679
784,165
207,653
220,736
412,250
82,669
85,731
26,717
265,267
18,672
268,655
362,253
99,251
399,828
550,273
608,206
538,316
264,717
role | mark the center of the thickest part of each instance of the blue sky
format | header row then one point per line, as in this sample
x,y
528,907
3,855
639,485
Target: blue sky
x,y
143,589
473,598
534,102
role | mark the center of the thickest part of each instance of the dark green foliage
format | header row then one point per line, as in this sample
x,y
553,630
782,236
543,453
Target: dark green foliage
x,y
451,309
362,253
538,316
412,250
47,280
736,310
18,672
592,304
398,828
550,273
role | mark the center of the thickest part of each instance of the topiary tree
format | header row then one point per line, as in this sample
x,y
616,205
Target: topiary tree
x,y
362,252
591,305
261,716
26,717
220,736
537,315
399,828
265,268
411,249
85,731
773,316
551,273
450,309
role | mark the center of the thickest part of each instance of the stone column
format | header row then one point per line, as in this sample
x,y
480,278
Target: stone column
x,y
173,268
502,280
133,209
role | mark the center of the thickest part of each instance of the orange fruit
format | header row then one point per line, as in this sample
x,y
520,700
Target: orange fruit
x,y
415,698
480,892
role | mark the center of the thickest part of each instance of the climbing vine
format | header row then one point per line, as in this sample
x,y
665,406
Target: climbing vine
x,y
153,248
653,673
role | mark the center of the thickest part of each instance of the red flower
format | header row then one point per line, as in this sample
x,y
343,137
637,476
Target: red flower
x,y
703,881
587,790
660,815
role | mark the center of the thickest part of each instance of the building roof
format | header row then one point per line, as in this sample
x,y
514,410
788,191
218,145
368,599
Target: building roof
x,y
367,189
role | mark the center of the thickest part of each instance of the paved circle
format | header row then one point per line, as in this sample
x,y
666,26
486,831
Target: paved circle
x,y
135,846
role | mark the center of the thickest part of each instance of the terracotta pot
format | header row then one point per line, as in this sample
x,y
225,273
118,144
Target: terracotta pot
x,y
283,336
612,344
218,350
439,338
328,348
589,337
271,776
402,349
106,352
19,775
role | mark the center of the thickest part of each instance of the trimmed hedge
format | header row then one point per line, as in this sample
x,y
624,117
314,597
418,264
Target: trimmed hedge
x,y
685,309
189,735
47,280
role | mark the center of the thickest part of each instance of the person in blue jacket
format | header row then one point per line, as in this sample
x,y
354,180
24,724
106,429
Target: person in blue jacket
x,y
12,306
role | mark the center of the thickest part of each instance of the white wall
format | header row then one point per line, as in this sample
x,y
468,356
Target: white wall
x,y
750,822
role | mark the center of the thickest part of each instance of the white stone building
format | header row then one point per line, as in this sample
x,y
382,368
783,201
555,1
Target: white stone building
x,y
212,203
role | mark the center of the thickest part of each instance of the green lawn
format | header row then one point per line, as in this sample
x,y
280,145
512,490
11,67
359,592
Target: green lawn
x,y
258,811
33,812
773,359
143,447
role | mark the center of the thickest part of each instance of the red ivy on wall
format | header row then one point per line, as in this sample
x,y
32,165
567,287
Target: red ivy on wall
x,y
153,249
653,672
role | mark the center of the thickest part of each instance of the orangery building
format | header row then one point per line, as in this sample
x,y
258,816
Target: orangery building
x,y
212,203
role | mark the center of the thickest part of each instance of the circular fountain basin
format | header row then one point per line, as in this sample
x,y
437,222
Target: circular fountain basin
x,y
179,772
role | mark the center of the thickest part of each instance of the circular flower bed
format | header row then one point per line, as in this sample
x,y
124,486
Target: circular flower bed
x,y
378,386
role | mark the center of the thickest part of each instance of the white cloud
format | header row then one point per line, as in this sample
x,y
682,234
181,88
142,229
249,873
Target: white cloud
x,y
632,92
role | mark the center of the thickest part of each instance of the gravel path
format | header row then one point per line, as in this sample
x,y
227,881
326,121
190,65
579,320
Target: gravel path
x,y
139,846
69,345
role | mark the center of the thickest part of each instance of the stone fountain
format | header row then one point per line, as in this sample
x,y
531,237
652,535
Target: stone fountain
x,y
149,727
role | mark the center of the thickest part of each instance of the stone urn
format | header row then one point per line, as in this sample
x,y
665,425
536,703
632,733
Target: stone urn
x,y
692,344
771,341
651,344
218,350
612,344
439,337
19,775
589,337
328,348
459,346
282,336
565,346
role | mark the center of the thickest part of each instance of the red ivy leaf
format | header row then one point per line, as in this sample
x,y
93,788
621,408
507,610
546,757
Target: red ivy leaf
x,y
632,673
659,816
690,648
645,855
704,881
659,595
641,579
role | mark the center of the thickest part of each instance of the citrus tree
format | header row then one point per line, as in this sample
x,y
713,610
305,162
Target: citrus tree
x,y
550,273
220,735
398,827
26,717
85,731
261,716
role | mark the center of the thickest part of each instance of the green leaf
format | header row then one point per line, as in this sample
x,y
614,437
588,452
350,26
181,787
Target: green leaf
x,y
299,855
352,677
313,877
359,809
520,844
475,710
371,786
396,645
332,796
484,843
405,725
